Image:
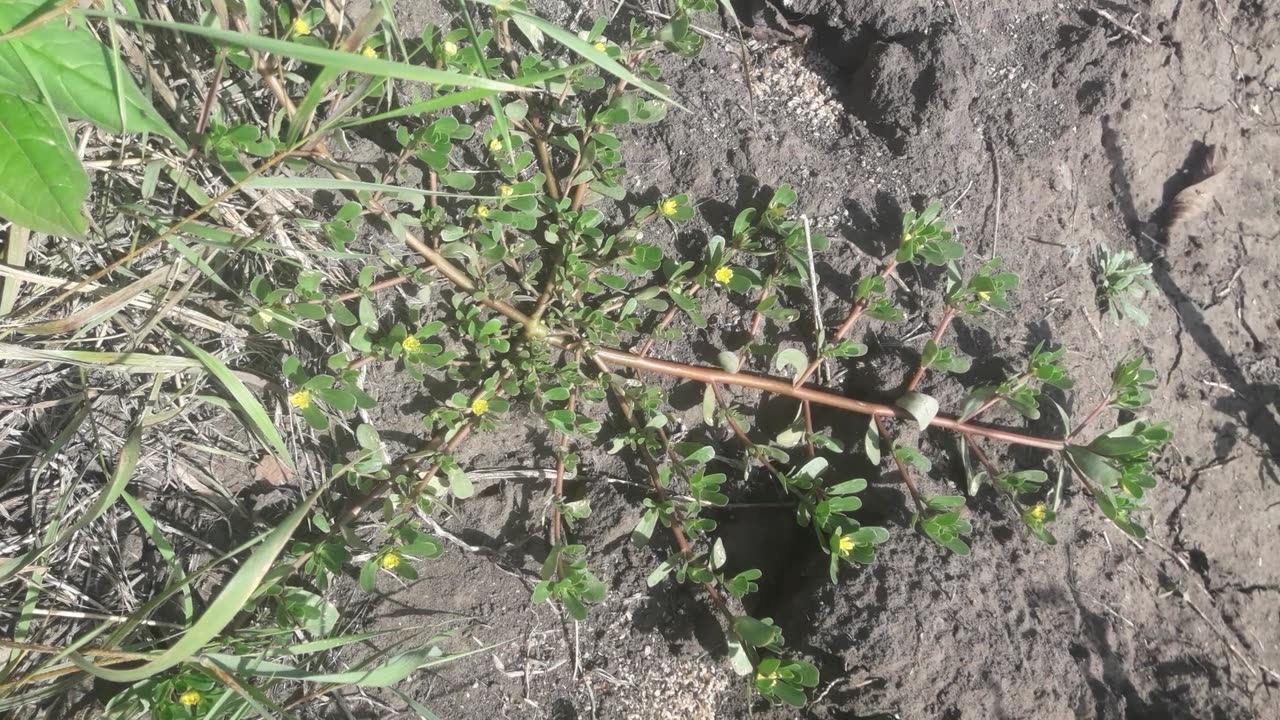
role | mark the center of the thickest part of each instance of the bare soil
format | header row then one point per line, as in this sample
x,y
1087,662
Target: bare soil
x,y
1046,129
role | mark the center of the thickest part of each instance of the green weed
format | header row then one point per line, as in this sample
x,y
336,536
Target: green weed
x,y
525,267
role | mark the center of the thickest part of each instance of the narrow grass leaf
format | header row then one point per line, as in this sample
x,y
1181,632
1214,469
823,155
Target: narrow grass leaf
x,y
125,465
221,611
353,62
148,525
120,361
15,255
100,311
583,48
385,675
259,421
301,183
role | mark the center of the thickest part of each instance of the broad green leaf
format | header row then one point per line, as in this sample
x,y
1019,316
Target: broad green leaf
x,y
871,443
259,421
924,408
224,608
42,185
74,72
793,358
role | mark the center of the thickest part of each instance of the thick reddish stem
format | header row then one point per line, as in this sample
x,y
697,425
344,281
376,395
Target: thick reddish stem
x,y
782,387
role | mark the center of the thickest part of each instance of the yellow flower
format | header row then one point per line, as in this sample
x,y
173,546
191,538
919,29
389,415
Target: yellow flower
x,y
600,46
369,52
495,145
771,678
669,207
300,27
410,344
301,399
1037,512
390,561
189,698
479,406
846,545
724,274
506,191
450,48
482,211
983,295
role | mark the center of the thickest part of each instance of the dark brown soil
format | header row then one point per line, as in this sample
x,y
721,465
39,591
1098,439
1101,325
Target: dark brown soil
x,y
1046,128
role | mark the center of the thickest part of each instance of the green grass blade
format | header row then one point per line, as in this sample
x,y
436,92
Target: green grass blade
x,y
301,183
585,49
327,644
119,478
259,422
423,711
353,62
148,525
119,361
462,97
15,255
221,611
389,673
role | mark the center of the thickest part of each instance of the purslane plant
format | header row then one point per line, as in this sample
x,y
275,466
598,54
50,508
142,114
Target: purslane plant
x,y
539,270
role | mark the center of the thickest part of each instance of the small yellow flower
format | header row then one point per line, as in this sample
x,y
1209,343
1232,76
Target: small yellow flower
x,y
301,399
846,545
300,27
265,315
506,191
390,561
600,46
369,52
669,207
771,678
495,145
450,48
1037,512
482,211
983,295
189,698
479,406
724,274
410,344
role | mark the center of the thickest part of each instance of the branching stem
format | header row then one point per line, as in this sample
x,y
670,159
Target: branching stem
x,y
902,467
855,312
947,317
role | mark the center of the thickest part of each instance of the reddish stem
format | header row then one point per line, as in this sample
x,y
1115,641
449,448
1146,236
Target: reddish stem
x,y
855,312
1093,414
778,386
902,467
947,317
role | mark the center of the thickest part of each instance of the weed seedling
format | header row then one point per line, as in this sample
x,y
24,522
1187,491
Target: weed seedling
x,y
1123,281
